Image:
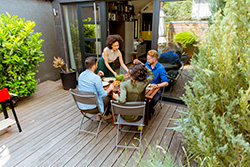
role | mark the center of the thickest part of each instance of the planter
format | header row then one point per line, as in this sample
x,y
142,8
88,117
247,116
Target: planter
x,y
191,51
68,80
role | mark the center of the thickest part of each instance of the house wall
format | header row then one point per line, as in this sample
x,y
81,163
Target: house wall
x,y
41,13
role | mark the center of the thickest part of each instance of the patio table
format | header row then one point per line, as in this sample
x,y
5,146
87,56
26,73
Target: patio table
x,y
149,94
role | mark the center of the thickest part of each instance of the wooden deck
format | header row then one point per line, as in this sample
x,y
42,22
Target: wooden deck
x,y
49,120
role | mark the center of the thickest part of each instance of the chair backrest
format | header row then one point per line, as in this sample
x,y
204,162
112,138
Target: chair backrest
x,y
84,97
128,108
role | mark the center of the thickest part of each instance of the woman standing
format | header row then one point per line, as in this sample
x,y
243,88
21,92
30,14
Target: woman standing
x,y
109,55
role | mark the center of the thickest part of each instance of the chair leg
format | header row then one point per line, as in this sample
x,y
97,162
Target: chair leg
x,y
81,124
117,136
99,127
140,139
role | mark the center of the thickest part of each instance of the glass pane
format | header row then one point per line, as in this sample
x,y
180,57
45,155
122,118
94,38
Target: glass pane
x,y
88,13
90,47
89,31
71,26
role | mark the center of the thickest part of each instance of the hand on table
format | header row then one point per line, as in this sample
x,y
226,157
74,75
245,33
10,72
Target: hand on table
x,y
100,73
115,74
153,85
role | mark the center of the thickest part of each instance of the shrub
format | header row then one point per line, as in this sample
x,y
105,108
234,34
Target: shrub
x,y
20,54
186,38
217,124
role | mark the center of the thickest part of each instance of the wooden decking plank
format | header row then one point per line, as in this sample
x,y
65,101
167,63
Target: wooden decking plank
x,y
29,147
35,133
49,119
153,136
29,129
148,134
108,151
75,142
86,155
81,145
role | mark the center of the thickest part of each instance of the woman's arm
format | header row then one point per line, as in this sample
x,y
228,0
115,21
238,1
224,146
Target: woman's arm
x,y
106,61
122,63
150,75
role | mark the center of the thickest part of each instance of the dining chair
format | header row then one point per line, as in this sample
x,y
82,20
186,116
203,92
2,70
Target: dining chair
x,y
89,98
128,108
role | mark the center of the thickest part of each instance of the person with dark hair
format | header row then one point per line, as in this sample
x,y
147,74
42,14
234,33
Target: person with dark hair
x,y
133,89
109,55
160,77
89,81
172,54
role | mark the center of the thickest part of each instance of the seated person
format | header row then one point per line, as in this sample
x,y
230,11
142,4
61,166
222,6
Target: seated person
x,y
171,55
133,89
90,82
160,77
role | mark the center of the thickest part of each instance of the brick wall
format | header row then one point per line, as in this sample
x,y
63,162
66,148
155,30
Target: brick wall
x,y
199,27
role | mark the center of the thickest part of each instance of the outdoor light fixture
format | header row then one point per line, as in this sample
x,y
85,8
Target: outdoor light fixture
x,y
55,12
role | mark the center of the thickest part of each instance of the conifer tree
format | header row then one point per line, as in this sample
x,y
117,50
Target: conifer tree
x,y
216,126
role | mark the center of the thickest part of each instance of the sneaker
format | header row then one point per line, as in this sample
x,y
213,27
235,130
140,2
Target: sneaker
x,y
139,128
107,116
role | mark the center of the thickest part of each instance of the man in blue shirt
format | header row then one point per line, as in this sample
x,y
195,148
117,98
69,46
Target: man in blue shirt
x,y
160,80
90,82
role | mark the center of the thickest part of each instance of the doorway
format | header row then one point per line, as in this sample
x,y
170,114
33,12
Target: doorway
x,y
86,31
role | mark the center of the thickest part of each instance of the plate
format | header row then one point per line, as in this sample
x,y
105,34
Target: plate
x,y
149,87
109,79
105,83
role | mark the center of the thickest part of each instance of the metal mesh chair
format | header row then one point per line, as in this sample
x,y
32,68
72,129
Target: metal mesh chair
x,y
89,98
128,108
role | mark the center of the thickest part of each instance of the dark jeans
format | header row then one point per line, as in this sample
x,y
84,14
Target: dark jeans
x,y
153,101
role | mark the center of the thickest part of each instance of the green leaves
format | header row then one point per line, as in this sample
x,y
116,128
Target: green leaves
x,y
20,51
217,124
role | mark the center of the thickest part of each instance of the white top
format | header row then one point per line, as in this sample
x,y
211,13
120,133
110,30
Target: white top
x,y
112,55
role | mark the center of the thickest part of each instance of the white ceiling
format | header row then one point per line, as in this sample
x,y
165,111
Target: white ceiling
x,y
142,4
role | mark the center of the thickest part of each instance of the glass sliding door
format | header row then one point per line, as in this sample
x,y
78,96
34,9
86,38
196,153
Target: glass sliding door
x,y
171,17
92,31
86,31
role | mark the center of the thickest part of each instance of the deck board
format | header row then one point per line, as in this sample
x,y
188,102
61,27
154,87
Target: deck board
x,y
50,120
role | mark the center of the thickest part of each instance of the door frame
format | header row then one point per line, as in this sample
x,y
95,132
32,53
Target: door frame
x,y
102,23
154,45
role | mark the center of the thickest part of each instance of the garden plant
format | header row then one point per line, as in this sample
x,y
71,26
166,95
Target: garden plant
x,y
216,126
20,54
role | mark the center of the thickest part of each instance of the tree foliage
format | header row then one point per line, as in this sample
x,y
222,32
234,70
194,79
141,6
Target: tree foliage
x,y
178,10
217,124
20,54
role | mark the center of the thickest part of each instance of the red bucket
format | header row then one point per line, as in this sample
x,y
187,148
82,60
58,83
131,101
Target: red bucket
x,y
4,94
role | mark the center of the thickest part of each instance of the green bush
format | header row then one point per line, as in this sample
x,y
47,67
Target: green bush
x,y
179,10
20,54
217,125
186,38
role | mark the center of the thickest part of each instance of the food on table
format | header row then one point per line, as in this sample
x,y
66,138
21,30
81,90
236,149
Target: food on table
x,y
120,77
115,83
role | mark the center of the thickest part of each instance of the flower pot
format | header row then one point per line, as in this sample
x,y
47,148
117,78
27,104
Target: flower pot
x,y
68,80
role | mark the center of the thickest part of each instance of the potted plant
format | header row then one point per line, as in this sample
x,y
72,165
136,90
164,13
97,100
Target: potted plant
x,y
68,76
188,41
